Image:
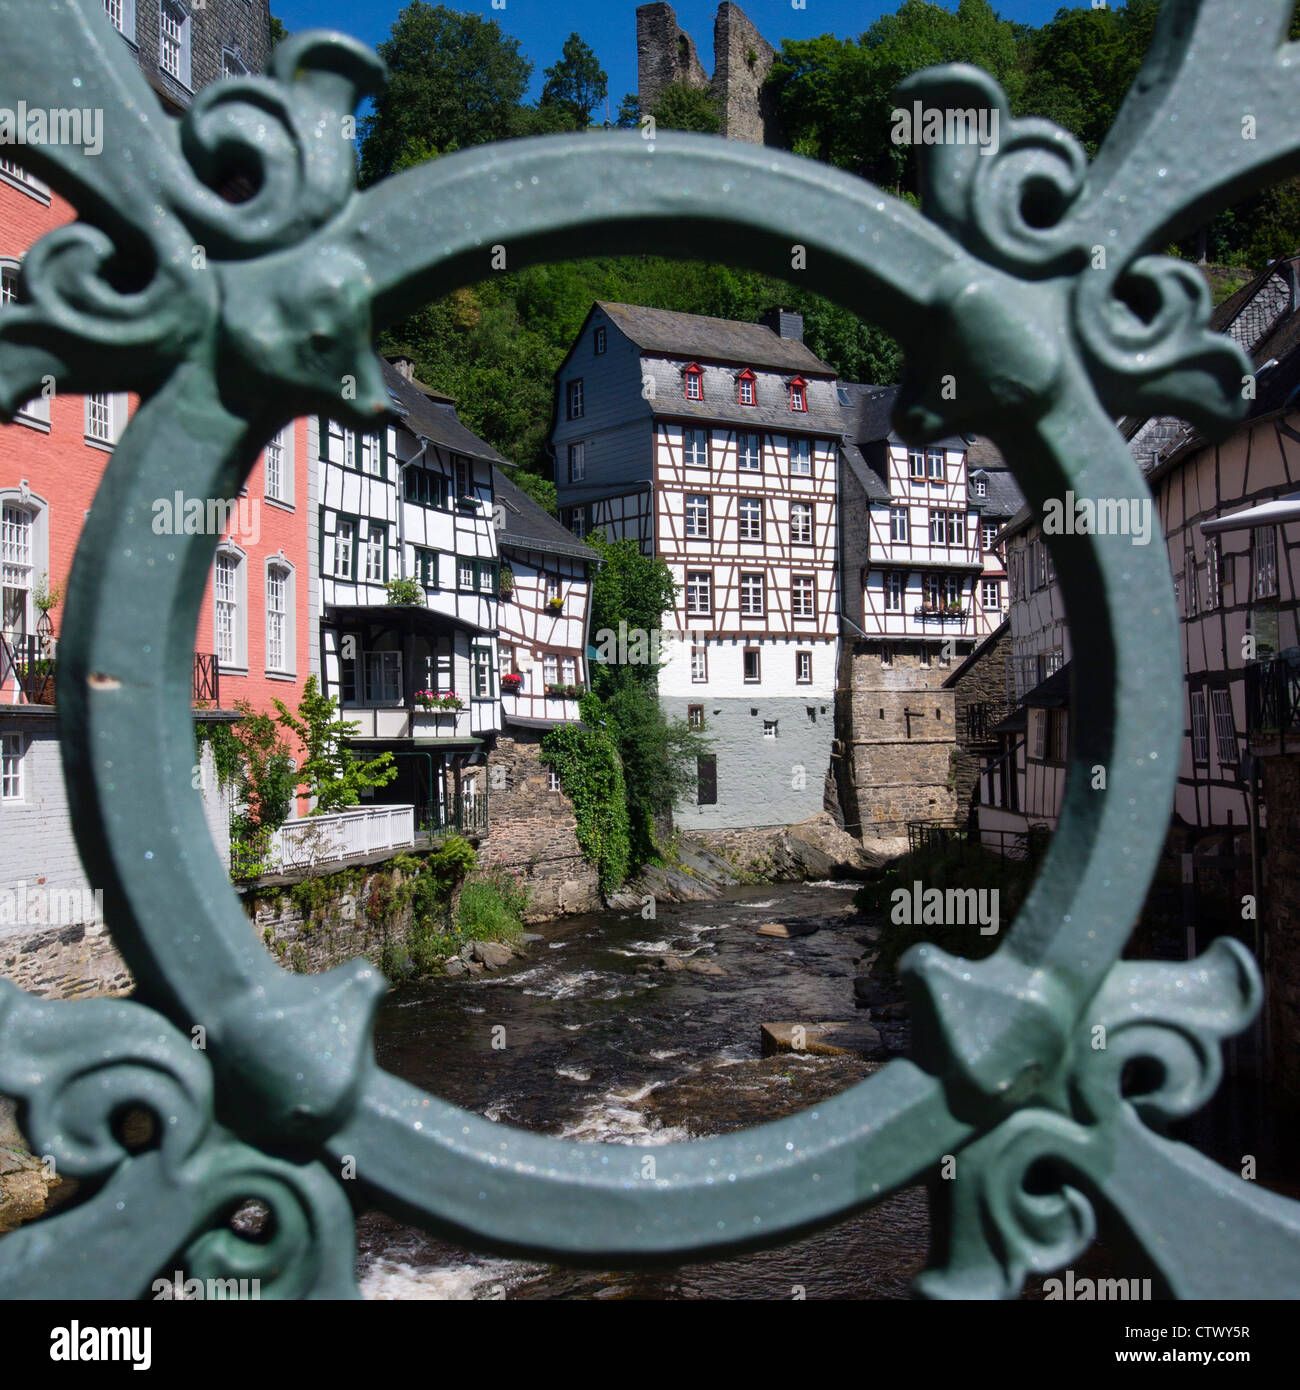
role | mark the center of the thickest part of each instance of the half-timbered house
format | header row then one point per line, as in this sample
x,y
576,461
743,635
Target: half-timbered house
x,y
715,445
408,597
923,582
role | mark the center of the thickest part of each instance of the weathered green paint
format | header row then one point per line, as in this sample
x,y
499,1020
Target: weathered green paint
x,y
275,320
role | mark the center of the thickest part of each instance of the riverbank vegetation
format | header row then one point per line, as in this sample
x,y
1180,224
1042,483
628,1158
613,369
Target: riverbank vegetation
x,y
629,764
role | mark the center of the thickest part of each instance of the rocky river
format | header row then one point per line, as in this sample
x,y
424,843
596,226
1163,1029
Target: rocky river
x,y
625,1030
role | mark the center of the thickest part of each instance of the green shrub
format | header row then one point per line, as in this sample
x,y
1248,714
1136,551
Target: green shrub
x,y
958,864
492,907
591,774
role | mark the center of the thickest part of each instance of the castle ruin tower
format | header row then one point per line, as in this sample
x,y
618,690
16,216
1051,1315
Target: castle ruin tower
x,y
665,54
742,59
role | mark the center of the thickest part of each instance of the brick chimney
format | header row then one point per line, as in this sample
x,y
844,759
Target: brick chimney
x,y
405,366
784,323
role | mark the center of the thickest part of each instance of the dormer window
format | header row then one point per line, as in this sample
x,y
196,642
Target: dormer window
x,y
694,378
798,394
747,392
979,485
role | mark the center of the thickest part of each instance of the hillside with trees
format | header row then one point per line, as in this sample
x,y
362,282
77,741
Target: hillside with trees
x,y
458,80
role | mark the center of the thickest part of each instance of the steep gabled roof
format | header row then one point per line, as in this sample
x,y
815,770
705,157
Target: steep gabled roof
x,y
716,340
868,413
434,421
530,527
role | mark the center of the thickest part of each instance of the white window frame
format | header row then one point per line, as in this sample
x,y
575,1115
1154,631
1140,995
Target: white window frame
x,y
900,525
345,531
372,455
232,65
698,519
1191,588
1200,728
13,760
801,458
280,447
753,597
233,603
935,465
279,569
803,595
803,668
1263,561
1225,727
699,665
575,399
577,461
375,552
694,383
182,41
988,531
699,583
749,518
757,677
991,595
916,465
1213,572
892,583
770,730
110,407
749,460
801,533
124,18
695,447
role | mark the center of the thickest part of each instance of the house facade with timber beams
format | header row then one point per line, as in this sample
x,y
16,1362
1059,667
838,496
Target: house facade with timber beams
x,y
715,445
411,502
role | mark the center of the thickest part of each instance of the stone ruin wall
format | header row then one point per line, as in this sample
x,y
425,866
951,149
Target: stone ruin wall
x,y
742,60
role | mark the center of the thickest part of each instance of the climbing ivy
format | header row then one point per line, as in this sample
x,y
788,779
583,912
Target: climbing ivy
x,y
587,763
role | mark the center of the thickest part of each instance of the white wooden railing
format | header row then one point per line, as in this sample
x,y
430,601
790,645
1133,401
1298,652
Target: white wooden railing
x,y
302,844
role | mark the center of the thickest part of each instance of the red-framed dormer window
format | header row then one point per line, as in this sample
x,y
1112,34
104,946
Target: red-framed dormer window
x,y
748,394
694,378
798,394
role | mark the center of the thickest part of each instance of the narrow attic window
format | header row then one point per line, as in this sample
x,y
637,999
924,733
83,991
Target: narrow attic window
x,y
798,394
979,485
599,340
747,396
694,377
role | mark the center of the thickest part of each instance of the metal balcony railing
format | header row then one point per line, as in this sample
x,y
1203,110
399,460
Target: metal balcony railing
x,y
462,815
1273,695
207,679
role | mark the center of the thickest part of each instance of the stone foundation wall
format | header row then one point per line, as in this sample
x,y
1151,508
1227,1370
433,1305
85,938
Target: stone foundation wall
x,y
1281,920
983,682
65,963
533,831
897,731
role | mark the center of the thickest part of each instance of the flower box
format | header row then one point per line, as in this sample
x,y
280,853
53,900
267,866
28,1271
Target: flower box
x,y
555,605
511,685
432,703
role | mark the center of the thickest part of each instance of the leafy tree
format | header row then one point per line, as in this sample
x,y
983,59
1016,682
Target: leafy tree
x,y
454,80
577,83
331,772
278,31
541,490
632,588
679,106
629,112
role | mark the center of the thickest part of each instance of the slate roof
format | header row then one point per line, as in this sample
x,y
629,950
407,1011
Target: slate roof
x,y
530,527
437,422
822,417
869,413
719,340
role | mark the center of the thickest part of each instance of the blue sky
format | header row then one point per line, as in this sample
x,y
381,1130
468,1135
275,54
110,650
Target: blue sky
x,y
609,26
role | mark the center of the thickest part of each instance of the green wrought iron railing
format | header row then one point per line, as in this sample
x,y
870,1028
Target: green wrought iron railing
x,y
1011,297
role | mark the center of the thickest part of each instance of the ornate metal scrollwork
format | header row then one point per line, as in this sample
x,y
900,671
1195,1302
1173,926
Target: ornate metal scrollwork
x,y
1001,293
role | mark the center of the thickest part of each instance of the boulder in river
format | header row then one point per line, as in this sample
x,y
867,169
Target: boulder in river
x,y
704,967
492,954
788,929
821,1039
